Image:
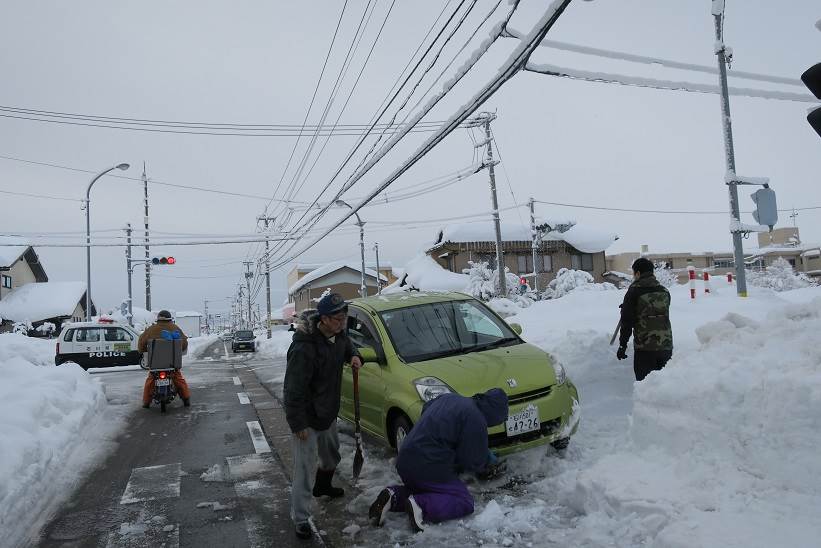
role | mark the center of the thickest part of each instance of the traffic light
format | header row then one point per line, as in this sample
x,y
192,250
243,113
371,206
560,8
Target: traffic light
x,y
163,260
766,210
812,79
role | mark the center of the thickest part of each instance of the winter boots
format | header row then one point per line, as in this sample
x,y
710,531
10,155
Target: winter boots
x,y
322,485
380,507
414,515
303,530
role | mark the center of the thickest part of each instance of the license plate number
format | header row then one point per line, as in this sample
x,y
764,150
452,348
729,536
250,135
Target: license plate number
x,y
163,382
526,420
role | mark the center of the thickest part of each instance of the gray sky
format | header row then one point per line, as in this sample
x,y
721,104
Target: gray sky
x,y
258,62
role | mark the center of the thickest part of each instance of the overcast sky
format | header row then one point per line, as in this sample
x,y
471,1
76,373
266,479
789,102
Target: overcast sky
x,y
257,62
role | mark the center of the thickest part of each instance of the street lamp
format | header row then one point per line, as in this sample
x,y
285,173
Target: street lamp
x,y
88,235
363,292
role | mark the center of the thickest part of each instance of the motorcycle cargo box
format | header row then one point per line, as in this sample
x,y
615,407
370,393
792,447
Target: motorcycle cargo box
x,y
164,354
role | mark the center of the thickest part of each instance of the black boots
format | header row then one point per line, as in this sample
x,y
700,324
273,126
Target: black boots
x,y
322,485
303,530
186,402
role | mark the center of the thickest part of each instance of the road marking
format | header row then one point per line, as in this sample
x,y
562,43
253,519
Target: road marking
x,y
154,531
243,398
152,483
237,381
258,437
259,486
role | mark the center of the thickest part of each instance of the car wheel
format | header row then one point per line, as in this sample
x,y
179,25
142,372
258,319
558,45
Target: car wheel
x,y
560,444
400,428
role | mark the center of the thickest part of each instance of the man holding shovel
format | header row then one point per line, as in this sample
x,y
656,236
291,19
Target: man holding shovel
x,y
312,390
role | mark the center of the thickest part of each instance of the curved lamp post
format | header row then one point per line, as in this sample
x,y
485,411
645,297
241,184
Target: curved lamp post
x,y
363,292
88,235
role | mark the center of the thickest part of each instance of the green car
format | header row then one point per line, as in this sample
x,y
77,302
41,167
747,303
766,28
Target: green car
x,y
417,346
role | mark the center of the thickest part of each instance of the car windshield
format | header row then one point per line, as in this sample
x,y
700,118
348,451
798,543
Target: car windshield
x,y
244,335
436,330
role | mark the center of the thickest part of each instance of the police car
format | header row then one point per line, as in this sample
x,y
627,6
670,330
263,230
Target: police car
x,y
104,343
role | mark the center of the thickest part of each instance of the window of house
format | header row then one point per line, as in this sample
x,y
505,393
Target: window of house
x,y
547,263
6,281
583,261
723,263
792,262
523,264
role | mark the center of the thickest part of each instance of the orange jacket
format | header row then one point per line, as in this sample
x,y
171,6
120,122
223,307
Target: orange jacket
x,y
155,332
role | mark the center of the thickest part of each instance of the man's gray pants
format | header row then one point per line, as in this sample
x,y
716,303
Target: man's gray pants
x,y
323,444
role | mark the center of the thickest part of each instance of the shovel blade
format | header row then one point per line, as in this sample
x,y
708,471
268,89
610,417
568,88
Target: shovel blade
x,y
358,461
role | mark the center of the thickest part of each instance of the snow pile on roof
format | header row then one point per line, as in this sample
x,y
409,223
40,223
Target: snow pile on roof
x,y
425,274
327,269
585,239
51,434
10,254
39,301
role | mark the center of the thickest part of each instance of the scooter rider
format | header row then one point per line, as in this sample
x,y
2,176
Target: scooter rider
x,y
164,323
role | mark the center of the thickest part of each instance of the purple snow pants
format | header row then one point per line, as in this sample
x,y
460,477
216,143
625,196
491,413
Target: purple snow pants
x,y
439,501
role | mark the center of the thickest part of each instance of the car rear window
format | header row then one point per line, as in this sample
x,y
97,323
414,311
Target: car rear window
x,y
244,334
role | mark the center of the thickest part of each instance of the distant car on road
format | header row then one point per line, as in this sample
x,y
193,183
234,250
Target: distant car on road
x,y
227,336
243,340
417,346
104,343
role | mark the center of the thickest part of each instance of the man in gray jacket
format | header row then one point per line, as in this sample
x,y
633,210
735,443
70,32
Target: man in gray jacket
x,y
312,391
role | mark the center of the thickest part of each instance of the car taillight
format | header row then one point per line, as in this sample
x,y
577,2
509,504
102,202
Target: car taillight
x,y
162,374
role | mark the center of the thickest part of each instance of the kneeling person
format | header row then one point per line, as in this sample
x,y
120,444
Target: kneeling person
x,y
451,436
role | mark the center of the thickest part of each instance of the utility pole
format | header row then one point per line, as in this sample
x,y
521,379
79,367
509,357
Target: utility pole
x,y
484,119
729,152
534,246
205,313
147,247
128,271
248,276
378,274
267,219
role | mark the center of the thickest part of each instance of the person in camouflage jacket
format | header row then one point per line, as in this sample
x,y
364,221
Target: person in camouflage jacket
x,y
645,314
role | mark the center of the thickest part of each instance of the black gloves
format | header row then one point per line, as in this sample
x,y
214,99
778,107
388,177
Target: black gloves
x,y
492,471
621,353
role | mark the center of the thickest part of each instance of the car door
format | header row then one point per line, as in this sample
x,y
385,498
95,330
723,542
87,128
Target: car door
x,y
87,344
371,384
117,344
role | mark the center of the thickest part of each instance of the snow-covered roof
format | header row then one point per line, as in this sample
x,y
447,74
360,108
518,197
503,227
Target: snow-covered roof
x,y
585,239
10,254
40,301
422,272
327,269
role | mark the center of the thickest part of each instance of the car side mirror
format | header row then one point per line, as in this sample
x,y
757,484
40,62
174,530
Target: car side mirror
x,y
516,328
368,354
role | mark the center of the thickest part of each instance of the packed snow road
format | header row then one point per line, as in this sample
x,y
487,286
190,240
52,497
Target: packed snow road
x,y
199,476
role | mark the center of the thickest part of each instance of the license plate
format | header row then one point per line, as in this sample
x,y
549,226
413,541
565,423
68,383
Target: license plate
x,y
163,382
526,420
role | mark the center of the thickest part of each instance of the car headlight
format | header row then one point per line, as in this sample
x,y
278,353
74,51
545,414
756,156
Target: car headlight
x,y
430,388
558,369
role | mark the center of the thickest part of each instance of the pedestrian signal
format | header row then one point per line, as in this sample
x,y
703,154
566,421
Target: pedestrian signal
x,y
163,260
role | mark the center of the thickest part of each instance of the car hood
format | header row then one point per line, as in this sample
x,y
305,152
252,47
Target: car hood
x,y
516,369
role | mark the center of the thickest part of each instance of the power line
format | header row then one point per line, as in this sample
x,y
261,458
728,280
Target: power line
x,y
41,196
660,211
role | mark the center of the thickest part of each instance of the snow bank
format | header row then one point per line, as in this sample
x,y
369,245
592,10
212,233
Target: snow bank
x,y
54,425
276,346
568,280
425,274
197,344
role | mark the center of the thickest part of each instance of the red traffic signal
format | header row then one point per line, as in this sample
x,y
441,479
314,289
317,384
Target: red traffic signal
x,y
522,281
163,260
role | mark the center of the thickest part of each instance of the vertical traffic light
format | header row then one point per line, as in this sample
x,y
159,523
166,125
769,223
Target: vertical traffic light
x,y
812,79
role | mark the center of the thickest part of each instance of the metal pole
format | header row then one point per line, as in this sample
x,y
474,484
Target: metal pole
x,y
735,214
489,117
147,247
205,312
534,245
128,271
378,273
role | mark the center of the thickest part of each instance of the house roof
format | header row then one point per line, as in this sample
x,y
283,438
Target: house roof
x,y
585,239
40,301
12,253
329,268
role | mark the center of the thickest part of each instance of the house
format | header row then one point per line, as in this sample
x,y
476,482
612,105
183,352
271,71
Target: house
x,y
40,303
19,265
781,242
561,245
306,283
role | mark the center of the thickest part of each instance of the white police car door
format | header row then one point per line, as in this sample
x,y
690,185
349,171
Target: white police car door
x,y
87,341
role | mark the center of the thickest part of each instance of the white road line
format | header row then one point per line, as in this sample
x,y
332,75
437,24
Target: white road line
x,y
153,483
237,381
243,398
258,437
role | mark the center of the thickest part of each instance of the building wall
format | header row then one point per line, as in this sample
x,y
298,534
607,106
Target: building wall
x,y
21,274
787,235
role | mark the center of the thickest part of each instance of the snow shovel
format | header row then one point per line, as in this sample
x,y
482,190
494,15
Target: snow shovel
x,y
615,333
358,459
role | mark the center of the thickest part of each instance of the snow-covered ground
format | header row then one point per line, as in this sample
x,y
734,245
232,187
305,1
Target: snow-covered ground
x,y
56,423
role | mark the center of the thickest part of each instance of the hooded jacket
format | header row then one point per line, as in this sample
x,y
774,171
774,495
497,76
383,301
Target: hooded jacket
x,y
313,376
451,436
155,332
